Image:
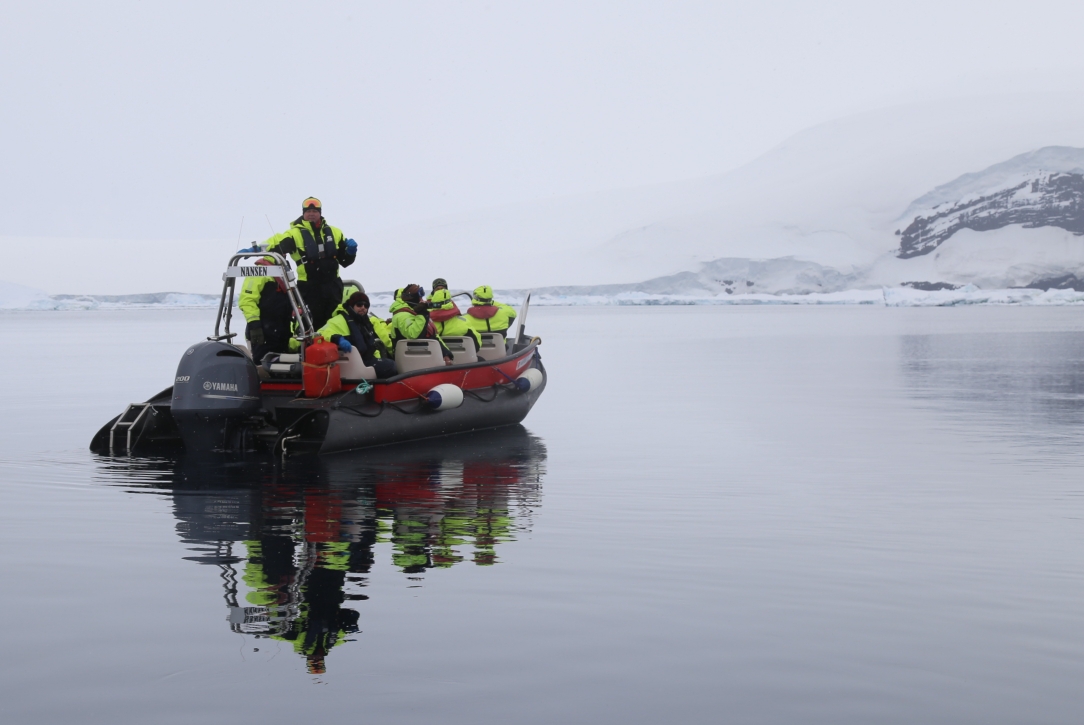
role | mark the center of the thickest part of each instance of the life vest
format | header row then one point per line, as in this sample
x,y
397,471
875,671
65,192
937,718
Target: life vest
x,y
486,313
483,312
444,314
318,255
369,345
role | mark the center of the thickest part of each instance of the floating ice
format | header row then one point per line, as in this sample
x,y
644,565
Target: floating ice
x,y
17,297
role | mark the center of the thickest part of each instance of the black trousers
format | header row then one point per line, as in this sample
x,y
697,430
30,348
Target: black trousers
x,y
276,334
384,368
321,298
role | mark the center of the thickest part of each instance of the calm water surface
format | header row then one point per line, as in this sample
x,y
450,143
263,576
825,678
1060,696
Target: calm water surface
x,y
747,515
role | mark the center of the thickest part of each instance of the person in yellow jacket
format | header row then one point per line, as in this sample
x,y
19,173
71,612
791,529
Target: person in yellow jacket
x,y
318,251
269,314
487,315
446,318
351,327
380,327
410,319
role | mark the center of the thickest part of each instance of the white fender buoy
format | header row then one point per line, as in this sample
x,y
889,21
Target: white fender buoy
x,y
529,380
445,397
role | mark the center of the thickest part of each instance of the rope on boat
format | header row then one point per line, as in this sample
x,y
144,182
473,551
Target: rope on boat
x,y
393,406
496,388
358,412
420,395
363,387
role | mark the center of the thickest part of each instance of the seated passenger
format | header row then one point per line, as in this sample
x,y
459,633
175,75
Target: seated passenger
x,y
410,319
449,323
269,314
351,326
380,327
397,296
486,315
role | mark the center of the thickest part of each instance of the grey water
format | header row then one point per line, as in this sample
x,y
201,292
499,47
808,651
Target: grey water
x,y
741,515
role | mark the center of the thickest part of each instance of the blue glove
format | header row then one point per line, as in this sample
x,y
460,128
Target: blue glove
x,y
344,344
351,247
253,248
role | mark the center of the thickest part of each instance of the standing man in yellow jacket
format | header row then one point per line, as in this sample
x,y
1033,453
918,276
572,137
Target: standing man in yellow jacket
x,y
318,251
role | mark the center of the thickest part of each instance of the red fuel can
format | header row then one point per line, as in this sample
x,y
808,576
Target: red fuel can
x,y
320,374
321,353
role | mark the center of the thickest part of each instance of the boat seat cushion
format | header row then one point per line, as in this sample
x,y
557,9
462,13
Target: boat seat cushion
x,y
462,348
417,355
352,367
492,346
284,365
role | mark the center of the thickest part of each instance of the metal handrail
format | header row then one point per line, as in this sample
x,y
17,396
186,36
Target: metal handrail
x,y
281,270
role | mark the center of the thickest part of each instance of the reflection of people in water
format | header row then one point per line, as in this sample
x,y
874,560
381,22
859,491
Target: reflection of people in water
x,y
299,584
303,605
309,534
435,509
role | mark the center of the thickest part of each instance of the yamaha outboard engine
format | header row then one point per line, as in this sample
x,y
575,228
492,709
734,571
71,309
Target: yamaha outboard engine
x,y
217,390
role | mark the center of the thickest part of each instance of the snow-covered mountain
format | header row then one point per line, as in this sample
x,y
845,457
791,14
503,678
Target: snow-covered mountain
x,y
1015,224
982,191
820,212
1043,188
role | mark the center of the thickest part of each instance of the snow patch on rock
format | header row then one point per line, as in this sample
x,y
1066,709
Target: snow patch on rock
x,y
1001,176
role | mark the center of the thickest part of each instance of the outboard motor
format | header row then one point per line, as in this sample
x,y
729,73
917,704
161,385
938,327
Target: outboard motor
x,y
217,389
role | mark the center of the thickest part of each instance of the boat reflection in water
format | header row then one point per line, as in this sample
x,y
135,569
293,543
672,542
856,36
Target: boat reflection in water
x,y
295,541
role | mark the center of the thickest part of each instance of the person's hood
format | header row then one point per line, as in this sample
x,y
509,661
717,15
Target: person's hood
x,y
398,305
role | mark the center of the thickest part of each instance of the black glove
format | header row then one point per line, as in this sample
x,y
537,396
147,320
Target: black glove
x,y
254,333
421,308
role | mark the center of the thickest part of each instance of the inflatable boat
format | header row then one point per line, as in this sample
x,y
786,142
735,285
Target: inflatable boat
x,y
321,400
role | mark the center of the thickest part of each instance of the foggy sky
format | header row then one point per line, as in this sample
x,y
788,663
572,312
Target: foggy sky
x,y
175,120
